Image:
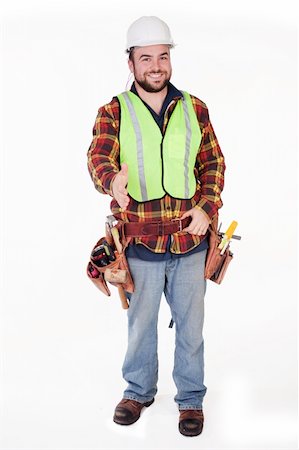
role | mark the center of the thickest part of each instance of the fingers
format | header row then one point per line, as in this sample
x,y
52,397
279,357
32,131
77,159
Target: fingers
x,y
123,175
123,206
197,227
186,214
122,191
199,223
121,179
124,168
119,184
121,195
123,200
197,230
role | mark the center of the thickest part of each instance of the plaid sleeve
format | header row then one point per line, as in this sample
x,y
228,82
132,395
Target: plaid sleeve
x,y
103,153
210,163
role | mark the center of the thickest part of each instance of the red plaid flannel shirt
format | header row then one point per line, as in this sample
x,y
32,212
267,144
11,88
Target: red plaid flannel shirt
x,y
103,165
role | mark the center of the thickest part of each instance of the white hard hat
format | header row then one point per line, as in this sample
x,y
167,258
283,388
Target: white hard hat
x,y
148,30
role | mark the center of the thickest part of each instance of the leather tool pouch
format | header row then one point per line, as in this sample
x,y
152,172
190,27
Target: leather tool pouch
x,y
216,264
116,272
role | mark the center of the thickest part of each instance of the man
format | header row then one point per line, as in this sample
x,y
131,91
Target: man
x,y
155,152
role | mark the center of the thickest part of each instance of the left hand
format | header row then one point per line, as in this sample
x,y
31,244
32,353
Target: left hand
x,y
199,223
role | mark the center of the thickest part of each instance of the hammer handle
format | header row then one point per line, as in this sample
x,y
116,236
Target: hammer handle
x,y
109,237
123,298
115,235
119,248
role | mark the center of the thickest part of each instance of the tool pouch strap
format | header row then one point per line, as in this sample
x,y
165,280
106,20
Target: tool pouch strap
x,y
116,272
216,264
127,283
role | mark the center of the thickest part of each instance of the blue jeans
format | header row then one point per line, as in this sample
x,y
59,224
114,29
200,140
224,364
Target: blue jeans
x,y
182,281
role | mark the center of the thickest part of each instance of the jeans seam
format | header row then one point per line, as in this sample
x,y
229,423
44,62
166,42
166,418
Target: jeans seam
x,y
130,397
187,407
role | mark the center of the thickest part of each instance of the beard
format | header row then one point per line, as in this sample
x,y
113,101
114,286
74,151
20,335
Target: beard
x,y
152,86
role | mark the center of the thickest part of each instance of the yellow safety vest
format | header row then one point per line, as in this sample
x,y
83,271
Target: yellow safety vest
x,y
158,164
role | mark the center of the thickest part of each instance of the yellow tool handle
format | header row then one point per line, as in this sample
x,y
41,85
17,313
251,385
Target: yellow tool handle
x,y
115,235
230,231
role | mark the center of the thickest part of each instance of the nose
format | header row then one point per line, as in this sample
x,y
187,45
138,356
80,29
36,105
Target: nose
x,y
156,65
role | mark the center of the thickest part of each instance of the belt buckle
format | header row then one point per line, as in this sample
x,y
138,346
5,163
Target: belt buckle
x,y
180,224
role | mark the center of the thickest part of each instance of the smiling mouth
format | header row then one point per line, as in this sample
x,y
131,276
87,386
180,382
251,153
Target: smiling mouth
x,y
155,76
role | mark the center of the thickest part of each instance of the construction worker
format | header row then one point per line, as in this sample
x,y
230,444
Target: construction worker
x,y
155,152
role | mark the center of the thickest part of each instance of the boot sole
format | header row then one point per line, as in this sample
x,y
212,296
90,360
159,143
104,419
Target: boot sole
x,y
189,433
125,422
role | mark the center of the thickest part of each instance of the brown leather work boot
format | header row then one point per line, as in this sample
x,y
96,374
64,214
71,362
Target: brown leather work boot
x,y
128,411
191,422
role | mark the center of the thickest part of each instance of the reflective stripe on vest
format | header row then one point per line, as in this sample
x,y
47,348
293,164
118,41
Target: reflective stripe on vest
x,y
159,165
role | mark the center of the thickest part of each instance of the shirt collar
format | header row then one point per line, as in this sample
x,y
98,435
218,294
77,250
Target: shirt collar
x,y
172,92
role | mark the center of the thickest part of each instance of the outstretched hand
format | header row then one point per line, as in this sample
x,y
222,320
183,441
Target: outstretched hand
x,y
199,223
119,185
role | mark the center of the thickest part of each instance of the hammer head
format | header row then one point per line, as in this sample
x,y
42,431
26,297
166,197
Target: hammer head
x,y
110,220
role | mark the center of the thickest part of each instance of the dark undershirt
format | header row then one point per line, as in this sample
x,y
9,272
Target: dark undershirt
x,y
139,250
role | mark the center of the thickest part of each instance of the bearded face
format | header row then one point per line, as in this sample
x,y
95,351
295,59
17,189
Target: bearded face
x,y
151,67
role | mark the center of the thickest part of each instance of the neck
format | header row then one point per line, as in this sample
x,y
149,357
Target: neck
x,y
153,99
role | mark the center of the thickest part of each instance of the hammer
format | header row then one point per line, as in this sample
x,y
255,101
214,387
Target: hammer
x,y
112,234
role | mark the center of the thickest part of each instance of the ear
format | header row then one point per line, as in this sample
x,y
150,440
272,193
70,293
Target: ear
x,y
131,65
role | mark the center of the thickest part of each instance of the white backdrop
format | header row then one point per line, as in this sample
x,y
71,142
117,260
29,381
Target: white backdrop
x,y
62,341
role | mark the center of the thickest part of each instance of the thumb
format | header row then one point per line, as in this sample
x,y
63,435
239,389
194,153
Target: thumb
x,y
186,214
124,169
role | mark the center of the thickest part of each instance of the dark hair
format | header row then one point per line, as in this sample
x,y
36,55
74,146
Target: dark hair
x,y
131,53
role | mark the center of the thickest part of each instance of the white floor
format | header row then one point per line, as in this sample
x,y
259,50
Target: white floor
x,y
61,379
79,415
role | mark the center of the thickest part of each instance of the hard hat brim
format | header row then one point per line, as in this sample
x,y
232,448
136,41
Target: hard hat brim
x,y
147,44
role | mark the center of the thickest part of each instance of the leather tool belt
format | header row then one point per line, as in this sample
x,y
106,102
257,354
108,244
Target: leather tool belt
x,y
139,229
108,262
113,267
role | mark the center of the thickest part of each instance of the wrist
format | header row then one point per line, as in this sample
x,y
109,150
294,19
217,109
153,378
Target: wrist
x,y
199,208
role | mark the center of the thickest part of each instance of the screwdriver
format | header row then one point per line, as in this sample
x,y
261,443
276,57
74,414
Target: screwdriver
x,y
227,237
